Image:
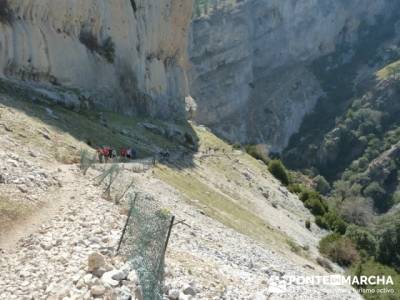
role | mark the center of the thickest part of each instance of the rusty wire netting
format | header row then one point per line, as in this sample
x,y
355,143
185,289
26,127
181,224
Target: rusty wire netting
x,y
144,241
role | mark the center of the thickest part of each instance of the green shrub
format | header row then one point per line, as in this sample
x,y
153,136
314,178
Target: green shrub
x,y
308,224
237,146
278,170
378,194
389,246
308,194
339,249
321,222
296,188
357,210
322,185
105,49
335,222
373,268
6,14
316,206
362,239
89,40
259,152
294,247
396,198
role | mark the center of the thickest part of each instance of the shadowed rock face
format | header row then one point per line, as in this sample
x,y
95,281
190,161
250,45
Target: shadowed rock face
x,y
70,43
250,75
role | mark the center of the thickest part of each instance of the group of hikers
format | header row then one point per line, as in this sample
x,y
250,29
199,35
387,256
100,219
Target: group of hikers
x,y
106,153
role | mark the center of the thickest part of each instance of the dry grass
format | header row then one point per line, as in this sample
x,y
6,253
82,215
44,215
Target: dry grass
x,y
392,70
11,211
221,207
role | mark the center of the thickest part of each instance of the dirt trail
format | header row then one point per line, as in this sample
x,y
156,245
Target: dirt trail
x,y
56,199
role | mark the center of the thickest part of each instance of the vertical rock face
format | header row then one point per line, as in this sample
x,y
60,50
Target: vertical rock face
x,y
250,77
130,54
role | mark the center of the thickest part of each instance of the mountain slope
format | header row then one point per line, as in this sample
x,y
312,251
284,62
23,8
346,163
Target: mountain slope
x,y
241,226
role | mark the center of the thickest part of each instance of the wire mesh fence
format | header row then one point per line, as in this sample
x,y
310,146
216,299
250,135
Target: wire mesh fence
x,y
86,160
144,241
147,230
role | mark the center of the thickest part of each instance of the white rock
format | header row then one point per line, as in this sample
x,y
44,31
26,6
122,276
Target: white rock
x,y
182,296
87,278
259,297
189,290
124,293
97,290
122,273
87,296
173,294
108,280
80,284
132,276
97,264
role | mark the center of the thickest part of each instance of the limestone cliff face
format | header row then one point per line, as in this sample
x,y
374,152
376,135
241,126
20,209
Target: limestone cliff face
x,y
70,43
250,77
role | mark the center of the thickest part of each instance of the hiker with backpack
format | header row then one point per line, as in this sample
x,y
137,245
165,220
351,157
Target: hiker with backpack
x,y
106,153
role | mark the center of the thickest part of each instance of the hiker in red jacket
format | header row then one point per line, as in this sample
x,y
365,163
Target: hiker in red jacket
x,y
104,152
129,153
123,152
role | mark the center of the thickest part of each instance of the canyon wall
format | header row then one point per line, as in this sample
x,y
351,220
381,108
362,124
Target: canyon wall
x,y
246,63
125,55
250,74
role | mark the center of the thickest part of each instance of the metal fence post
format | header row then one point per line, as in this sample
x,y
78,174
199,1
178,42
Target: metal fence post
x,y
126,223
168,236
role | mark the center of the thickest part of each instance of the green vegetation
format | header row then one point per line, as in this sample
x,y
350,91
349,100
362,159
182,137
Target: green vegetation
x,y
351,144
105,48
72,129
372,268
325,217
322,185
259,152
308,224
389,246
294,247
389,71
367,255
279,171
321,143
363,239
339,249
6,14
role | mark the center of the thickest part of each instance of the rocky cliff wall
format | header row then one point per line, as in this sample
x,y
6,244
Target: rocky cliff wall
x,y
127,54
250,77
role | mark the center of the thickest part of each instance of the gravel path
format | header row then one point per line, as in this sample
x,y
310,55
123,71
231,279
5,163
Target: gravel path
x,y
205,259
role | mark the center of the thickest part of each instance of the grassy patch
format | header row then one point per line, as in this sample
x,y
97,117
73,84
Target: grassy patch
x,y
389,71
64,132
221,207
10,211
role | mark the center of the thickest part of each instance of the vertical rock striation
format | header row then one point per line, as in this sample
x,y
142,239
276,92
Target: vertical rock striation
x,y
250,75
129,54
